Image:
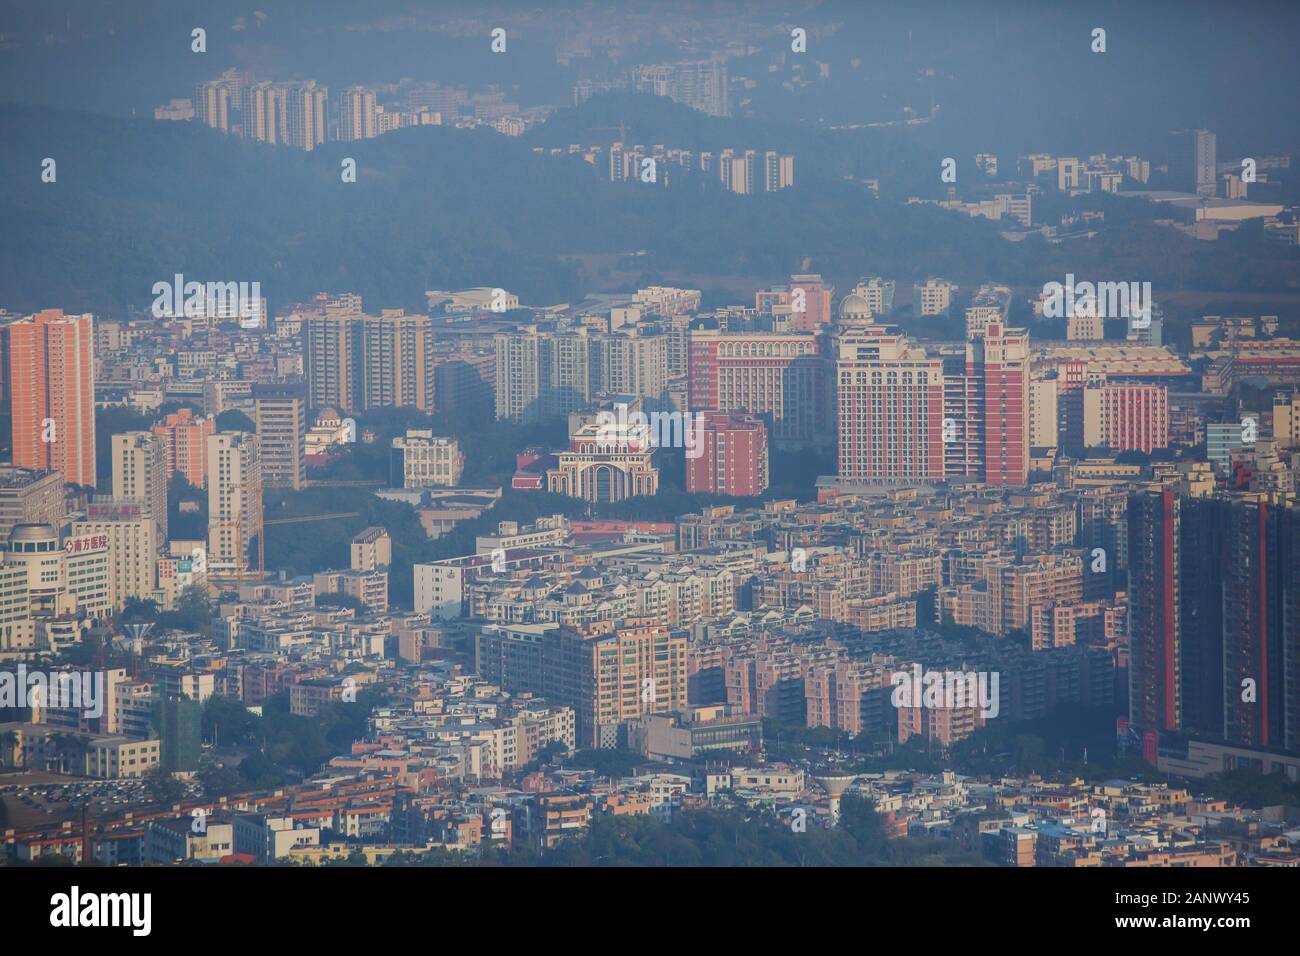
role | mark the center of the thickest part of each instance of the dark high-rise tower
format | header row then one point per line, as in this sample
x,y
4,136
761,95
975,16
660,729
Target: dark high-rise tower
x,y
1214,612
1155,701
1259,639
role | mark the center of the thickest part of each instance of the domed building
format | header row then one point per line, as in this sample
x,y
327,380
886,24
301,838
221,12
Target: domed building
x,y
856,310
50,589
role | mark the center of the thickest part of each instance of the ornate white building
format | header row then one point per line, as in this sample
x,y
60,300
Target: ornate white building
x,y
606,462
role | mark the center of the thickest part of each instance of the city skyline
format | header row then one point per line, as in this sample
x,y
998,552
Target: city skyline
x,y
717,436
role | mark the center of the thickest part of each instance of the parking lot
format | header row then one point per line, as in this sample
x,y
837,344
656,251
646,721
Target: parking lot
x,y
39,799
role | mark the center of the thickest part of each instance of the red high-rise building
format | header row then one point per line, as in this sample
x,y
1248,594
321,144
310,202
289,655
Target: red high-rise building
x,y
733,456
986,407
1155,693
782,377
52,390
999,362
185,440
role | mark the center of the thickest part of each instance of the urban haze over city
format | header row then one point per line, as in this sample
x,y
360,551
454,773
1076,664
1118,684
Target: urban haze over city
x,y
680,434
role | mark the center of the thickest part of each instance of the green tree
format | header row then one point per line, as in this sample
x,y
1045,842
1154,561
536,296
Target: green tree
x,y
139,610
186,525
227,722
163,788
193,611
339,599
233,420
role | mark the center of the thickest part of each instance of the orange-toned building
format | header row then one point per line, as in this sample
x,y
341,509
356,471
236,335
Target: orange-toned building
x,y
185,439
52,389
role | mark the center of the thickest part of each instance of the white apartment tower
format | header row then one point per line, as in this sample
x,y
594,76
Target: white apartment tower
x,y
234,500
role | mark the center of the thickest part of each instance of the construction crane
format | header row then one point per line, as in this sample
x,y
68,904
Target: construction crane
x,y
328,517
238,524
261,538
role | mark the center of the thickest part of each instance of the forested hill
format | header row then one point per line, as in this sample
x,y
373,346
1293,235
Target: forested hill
x,y
136,201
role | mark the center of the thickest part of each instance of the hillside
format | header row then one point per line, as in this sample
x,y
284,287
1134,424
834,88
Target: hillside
x,y
433,207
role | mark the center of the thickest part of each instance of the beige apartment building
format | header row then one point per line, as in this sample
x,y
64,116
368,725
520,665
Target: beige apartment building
x,y
280,414
132,554
140,473
234,500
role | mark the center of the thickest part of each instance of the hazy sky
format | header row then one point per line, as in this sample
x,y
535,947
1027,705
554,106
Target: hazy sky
x,y
1019,75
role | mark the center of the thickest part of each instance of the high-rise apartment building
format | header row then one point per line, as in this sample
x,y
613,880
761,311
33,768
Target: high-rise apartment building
x,y
306,115
1043,413
933,297
397,362
998,361
782,377
265,113
569,372
891,408
1206,163
1215,640
217,103
633,363
1239,637
357,114
140,473
52,394
464,384
700,85
872,297
133,545
543,372
331,360
185,444
778,171
734,458
1286,419
609,672
355,362
1155,611
213,105
234,500
522,365
30,497
280,414
1261,629
987,407
1126,417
